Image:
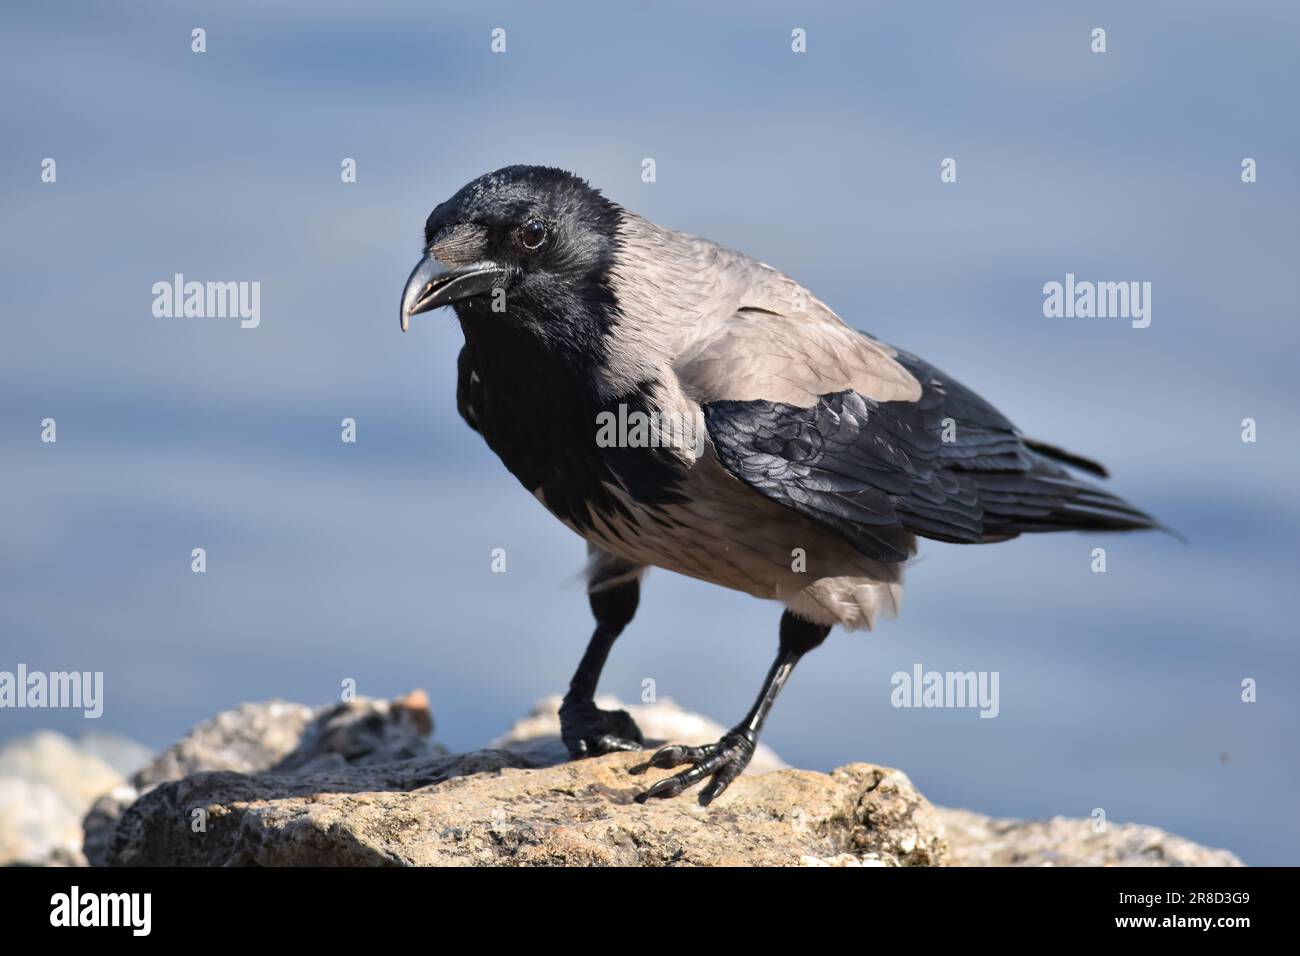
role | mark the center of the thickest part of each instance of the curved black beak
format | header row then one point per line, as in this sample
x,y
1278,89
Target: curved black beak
x,y
432,284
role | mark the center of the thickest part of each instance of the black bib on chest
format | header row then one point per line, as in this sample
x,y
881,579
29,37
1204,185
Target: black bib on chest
x,y
539,413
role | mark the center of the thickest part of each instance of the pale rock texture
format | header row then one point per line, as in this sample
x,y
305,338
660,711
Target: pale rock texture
x,y
978,840
489,808
363,783
523,803
47,782
275,737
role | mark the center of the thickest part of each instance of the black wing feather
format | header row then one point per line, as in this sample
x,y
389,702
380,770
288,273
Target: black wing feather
x,y
948,466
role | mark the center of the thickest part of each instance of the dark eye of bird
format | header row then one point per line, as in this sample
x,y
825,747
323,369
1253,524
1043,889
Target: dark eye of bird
x,y
532,234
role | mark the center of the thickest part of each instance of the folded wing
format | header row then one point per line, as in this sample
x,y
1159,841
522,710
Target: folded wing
x,y
946,466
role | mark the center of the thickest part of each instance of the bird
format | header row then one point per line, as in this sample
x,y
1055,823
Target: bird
x,y
681,405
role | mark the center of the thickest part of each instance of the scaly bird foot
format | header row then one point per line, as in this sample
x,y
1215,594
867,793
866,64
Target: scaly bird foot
x,y
724,761
588,731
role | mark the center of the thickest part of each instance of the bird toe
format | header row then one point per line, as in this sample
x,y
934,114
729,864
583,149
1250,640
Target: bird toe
x,y
724,761
588,731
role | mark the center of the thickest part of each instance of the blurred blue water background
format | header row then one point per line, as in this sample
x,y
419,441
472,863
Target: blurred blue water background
x,y
371,561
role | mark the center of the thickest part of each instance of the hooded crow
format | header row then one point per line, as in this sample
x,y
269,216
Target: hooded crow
x,y
683,406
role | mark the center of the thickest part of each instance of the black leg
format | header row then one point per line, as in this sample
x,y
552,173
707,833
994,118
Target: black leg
x,y
726,759
585,729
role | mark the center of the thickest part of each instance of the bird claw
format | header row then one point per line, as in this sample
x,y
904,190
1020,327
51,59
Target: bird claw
x,y
588,731
724,761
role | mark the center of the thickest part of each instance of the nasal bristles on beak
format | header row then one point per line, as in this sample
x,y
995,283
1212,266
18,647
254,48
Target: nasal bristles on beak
x,y
459,245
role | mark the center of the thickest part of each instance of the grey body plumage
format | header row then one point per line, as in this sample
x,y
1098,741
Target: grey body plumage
x,y
822,454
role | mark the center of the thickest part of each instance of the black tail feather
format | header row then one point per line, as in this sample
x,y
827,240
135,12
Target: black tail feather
x,y
1048,498
1066,457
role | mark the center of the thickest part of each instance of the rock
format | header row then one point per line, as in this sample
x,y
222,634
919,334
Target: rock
x,y
361,784
101,820
36,826
978,840
537,736
414,709
490,808
293,738
275,737
249,738
46,784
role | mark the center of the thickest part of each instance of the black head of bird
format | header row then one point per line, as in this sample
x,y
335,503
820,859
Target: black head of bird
x,y
528,245
825,455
